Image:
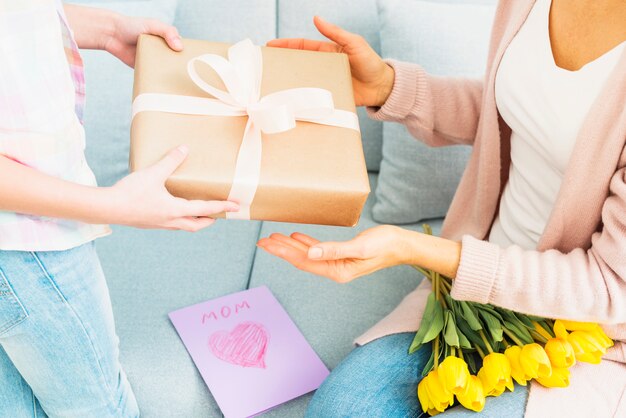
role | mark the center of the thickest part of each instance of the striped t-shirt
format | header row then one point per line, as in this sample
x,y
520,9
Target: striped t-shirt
x,y
42,96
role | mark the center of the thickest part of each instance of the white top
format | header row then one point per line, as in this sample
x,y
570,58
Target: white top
x,y
545,106
41,102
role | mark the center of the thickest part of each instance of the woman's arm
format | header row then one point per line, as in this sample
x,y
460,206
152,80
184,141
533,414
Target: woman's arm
x,y
115,33
583,285
138,200
437,110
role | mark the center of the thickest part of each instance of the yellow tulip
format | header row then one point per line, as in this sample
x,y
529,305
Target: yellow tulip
x,y
422,394
535,361
602,337
558,379
473,395
453,373
496,374
517,372
560,352
579,326
440,397
559,329
587,346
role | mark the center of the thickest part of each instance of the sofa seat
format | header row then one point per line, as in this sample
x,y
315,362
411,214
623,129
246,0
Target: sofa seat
x,y
151,273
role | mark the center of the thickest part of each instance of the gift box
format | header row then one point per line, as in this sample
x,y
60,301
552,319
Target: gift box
x,y
274,129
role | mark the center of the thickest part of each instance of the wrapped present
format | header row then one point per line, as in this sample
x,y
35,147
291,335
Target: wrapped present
x,y
273,129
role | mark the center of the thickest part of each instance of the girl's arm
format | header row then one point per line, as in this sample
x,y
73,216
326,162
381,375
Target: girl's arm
x,y
138,200
103,29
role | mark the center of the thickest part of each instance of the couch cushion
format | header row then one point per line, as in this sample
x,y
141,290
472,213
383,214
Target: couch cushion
x,y
295,20
331,315
448,38
227,21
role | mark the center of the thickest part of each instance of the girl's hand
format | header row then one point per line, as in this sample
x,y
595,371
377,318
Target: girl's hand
x,y
96,28
122,42
372,250
372,78
141,200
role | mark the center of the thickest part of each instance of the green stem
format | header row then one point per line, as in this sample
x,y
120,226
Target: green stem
x,y
423,271
484,338
538,337
513,337
480,351
436,351
461,354
549,329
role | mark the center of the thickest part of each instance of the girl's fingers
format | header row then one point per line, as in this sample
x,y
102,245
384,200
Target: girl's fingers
x,y
290,241
168,164
206,208
192,224
165,31
305,239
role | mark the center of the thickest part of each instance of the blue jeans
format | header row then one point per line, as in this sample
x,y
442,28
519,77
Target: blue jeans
x,y
380,379
58,347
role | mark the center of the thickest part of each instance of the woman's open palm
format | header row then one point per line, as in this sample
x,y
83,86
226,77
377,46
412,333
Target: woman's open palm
x,y
372,250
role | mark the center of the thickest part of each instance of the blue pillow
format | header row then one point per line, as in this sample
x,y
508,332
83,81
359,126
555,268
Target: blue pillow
x,y
448,38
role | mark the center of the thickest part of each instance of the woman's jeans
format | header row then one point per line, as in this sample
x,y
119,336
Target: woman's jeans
x,y
58,347
380,379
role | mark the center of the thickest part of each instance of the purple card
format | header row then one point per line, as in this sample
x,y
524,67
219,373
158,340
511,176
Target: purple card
x,y
249,352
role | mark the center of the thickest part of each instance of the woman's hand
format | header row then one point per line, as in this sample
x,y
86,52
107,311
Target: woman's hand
x,y
141,200
372,78
374,249
122,42
103,29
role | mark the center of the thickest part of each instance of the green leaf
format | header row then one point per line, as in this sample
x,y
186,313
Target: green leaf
x,y
520,331
524,320
437,325
463,341
490,309
470,316
469,333
431,325
451,335
492,324
471,362
425,324
429,364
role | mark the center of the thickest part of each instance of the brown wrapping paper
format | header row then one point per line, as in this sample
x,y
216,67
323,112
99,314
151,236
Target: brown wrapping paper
x,y
312,174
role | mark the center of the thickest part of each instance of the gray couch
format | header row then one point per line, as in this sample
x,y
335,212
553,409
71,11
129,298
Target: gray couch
x,y
151,273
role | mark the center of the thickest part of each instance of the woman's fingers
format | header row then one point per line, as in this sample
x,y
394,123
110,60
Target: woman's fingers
x,y
305,239
335,33
306,44
168,164
337,250
290,241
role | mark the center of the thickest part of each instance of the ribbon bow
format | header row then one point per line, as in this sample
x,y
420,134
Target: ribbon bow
x,y
278,112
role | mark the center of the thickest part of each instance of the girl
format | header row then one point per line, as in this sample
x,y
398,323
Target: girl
x,y
538,223
58,348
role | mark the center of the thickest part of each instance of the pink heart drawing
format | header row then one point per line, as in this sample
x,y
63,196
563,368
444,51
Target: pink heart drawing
x,y
244,346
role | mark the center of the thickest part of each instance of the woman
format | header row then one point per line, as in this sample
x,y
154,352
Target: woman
x,y
538,223
58,348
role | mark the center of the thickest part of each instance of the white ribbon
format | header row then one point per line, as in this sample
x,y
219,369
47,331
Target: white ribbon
x,y
274,113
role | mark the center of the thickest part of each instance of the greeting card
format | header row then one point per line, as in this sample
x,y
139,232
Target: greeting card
x,y
249,352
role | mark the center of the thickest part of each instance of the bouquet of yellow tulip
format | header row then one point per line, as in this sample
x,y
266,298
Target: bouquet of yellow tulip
x,y
478,350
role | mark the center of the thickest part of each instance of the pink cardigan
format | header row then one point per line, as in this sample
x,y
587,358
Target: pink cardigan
x,y
579,269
